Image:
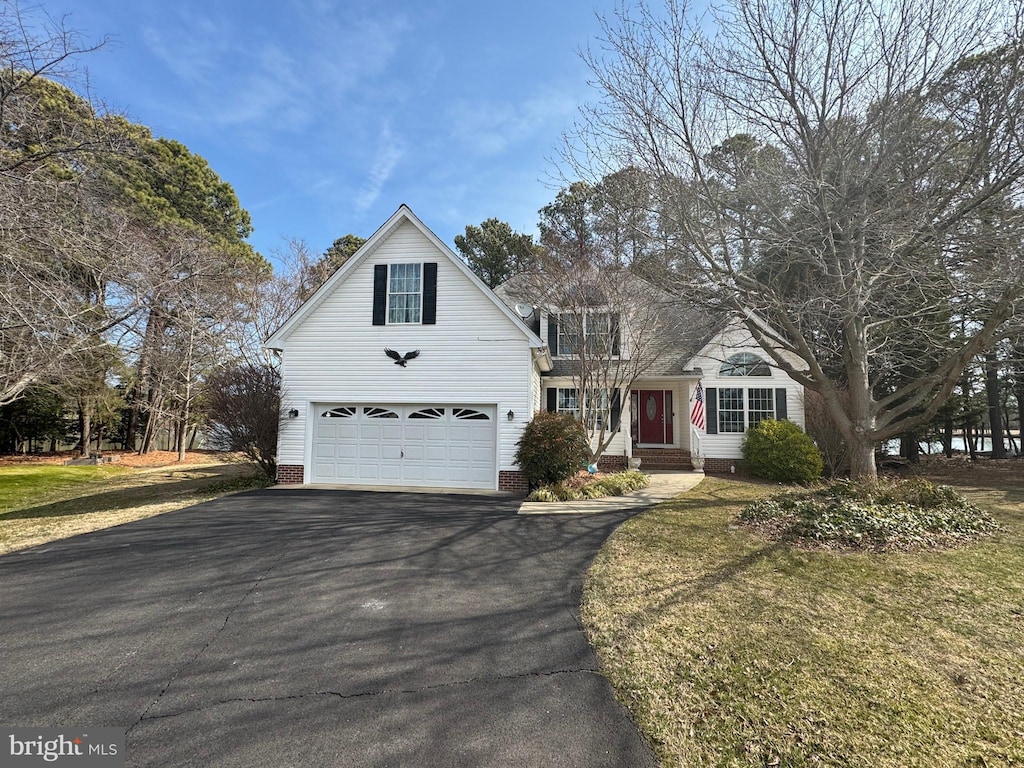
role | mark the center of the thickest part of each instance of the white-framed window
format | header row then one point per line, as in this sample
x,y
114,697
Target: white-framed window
x,y
760,405
596,328
405,293
568,401
730,410
598,414
569,333
740,408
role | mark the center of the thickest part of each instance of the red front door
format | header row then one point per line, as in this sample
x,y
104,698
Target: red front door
x,y
654,416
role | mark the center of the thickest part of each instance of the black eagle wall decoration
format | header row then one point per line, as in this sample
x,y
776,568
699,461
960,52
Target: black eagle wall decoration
x,y
401,359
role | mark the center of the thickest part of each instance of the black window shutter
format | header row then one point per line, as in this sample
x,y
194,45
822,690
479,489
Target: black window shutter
x,y
616,409
615,333
780,404
380,293
553,333
430,293
552,398
711,409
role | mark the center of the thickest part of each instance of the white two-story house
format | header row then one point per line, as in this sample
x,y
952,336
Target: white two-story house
x,y
404,369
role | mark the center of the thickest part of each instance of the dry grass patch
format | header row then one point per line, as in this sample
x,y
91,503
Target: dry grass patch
x,y
731,650
43,502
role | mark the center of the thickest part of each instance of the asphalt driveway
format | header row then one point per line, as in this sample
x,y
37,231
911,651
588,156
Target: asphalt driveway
x,y
319,628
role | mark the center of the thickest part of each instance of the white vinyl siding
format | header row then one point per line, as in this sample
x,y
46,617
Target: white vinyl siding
x,y
474,354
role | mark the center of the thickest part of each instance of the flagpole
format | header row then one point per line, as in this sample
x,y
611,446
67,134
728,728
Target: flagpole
x,y
696,414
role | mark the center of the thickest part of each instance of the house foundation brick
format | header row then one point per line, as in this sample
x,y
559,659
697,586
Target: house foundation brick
x,y
289,473
611,463
513,481
723,466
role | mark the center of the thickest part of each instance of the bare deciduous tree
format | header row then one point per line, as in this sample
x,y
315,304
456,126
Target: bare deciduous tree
x,y
61,244
843,175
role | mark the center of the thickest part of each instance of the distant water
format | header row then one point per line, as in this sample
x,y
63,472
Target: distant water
x,y
982,446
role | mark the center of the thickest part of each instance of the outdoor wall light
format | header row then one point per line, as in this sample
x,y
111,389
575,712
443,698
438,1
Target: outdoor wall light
x,y
293,413
510,415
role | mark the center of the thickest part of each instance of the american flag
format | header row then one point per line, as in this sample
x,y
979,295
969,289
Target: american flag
x,y
697,410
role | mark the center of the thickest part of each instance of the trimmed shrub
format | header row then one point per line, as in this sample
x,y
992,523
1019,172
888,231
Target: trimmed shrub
x,y
554,446
881,515
781,451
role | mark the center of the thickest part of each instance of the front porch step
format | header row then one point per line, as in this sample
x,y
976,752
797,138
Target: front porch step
x,y
663,458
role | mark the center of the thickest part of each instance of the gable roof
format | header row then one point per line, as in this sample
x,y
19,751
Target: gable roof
x,y
690,329
402,215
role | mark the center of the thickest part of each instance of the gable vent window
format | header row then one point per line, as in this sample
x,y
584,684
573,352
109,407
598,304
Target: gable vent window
x,y
745,364
339,413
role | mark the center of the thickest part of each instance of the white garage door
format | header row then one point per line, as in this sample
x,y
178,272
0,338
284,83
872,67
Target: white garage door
x,y
442,446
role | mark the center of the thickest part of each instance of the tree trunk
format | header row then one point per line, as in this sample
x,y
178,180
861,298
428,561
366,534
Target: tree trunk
x,y
180,436
910,448
133,425
862,461
947,435
995,416
85,429
1018,355
1014,450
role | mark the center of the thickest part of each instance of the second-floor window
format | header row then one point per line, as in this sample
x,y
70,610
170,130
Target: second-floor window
x,y
599,331
405,293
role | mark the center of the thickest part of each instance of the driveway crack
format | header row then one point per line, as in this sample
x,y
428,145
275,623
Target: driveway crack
x,y
366,694
195,657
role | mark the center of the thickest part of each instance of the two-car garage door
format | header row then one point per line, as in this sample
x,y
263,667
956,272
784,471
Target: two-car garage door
x,y
428,445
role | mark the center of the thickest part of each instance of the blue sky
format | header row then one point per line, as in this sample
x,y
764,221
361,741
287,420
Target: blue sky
x,y
325,115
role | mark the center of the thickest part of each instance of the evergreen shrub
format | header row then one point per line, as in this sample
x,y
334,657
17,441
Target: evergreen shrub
x,y
781,451
553,448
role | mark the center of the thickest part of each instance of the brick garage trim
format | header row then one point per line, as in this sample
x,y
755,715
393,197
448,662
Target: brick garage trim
x,y
288,474
513,481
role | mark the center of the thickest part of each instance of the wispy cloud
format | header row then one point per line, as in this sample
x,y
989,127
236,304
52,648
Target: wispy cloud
x,y
389,153
254,84
491,128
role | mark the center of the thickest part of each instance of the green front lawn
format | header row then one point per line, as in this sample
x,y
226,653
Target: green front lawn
x,y
44,502
23,485
734,651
